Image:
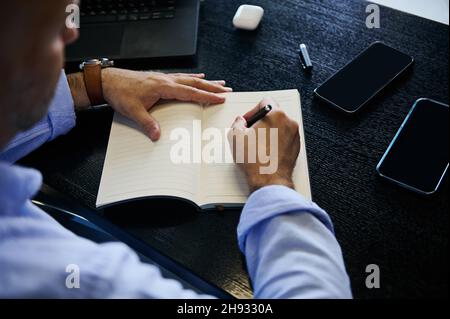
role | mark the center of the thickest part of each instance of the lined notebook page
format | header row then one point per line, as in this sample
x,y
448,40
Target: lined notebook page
x,y
135,167
225,183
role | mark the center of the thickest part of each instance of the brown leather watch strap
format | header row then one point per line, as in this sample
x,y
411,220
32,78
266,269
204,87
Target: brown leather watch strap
x,y
93,83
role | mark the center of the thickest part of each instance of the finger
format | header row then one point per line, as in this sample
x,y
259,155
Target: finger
x,y
190,94
239,123
192,75
221,82
238,128
149,125
236,138
261,104
204,85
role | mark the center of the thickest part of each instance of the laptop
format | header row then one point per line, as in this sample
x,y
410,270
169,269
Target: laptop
x,y
136,29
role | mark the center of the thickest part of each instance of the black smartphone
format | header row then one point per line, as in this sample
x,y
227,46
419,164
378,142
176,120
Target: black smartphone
x,y
359,81
417,158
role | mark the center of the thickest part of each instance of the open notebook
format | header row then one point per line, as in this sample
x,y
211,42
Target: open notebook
x,y
137,168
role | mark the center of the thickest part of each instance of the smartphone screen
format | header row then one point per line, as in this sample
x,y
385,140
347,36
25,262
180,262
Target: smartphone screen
x,y
360,80
418,156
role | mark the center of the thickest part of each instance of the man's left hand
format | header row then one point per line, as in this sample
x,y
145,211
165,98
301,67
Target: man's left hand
x,y
134,93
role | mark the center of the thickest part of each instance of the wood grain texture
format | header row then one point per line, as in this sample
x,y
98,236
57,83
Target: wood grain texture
x,y
375,222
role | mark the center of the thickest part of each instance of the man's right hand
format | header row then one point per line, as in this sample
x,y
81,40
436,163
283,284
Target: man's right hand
x,y
288,146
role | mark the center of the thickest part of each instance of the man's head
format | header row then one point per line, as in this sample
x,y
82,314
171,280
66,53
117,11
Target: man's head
x,y
33,36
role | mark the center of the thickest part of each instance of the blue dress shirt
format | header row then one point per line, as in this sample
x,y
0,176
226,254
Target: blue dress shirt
x,y
288,241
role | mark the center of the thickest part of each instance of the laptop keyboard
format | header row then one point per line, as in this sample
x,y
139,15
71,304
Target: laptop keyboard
x,y
103,11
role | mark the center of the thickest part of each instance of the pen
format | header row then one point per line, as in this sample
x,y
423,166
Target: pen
x,y
259,115
304,58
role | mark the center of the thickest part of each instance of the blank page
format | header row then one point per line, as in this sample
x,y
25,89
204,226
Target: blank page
x,y
225,183
135,167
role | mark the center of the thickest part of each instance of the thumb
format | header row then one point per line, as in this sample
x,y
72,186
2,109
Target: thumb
x,y
149,125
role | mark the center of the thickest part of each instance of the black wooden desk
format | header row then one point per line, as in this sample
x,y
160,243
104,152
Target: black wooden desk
x,y
376,223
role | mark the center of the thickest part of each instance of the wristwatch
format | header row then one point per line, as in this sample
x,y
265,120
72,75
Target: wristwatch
x,y
92,72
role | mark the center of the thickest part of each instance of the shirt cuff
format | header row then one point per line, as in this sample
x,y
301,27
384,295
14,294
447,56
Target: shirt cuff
x,y
61,111
271,201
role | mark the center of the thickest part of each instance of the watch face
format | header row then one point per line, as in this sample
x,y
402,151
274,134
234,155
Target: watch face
x,y
107,62
104,63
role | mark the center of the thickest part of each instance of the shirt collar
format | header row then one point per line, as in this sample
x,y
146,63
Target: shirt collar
x,y
17,185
